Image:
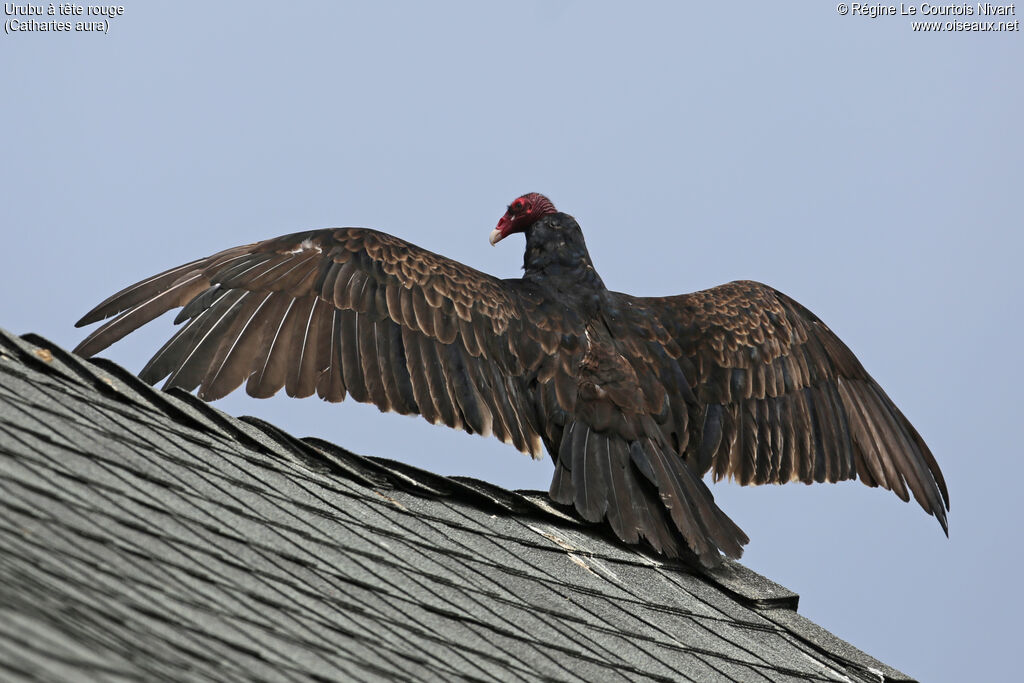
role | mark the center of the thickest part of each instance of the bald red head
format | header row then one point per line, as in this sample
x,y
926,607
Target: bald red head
x,y
521,214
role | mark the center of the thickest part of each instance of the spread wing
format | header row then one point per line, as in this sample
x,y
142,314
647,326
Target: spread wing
x,y
777,397
343,311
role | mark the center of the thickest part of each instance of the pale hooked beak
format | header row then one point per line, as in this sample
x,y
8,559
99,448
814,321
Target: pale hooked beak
x,y
500,232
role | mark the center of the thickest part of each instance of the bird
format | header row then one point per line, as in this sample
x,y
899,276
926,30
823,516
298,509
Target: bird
x,y
635,399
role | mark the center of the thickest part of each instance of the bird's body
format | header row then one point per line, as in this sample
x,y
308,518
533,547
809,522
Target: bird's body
x,y
634,398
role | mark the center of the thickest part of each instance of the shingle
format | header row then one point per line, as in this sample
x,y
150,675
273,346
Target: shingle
x,y
148,535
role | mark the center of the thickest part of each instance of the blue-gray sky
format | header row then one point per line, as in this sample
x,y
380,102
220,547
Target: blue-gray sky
x,y
871,172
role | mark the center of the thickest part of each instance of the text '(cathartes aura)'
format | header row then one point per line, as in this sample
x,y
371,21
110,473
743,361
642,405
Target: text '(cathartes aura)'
x,y
634,398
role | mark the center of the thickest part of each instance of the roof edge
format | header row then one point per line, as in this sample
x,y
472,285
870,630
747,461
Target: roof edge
x,y
741,582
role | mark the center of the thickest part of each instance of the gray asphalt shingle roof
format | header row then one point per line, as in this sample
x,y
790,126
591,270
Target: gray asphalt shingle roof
x,y
148,535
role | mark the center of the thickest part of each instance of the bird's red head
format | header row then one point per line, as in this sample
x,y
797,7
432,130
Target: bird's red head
x,y
521,214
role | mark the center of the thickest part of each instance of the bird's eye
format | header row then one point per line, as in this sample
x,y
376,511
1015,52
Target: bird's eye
x,y
515,207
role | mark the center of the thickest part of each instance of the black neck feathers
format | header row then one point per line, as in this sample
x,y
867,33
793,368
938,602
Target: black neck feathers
x,y
556,255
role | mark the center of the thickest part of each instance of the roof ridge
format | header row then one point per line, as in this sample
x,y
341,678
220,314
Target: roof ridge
x,y
320,455
497,539
314,453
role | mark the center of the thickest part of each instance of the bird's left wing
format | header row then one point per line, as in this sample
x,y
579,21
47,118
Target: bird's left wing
x,y
342,311
775,396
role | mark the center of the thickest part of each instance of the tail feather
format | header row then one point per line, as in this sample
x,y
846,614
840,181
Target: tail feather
x,y
645,490
693,510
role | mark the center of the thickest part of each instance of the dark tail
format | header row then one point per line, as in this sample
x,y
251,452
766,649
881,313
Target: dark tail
x,y
645,490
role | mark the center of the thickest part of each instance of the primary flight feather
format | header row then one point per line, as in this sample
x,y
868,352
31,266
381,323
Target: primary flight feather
x,y
634,398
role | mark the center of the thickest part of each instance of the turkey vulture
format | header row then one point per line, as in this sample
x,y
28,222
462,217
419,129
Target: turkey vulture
x,y
634,398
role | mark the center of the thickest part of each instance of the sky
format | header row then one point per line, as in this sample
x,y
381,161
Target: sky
x,y
871,172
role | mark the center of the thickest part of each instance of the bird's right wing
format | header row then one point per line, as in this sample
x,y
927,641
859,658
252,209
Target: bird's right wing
x,y
343,311
778,397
